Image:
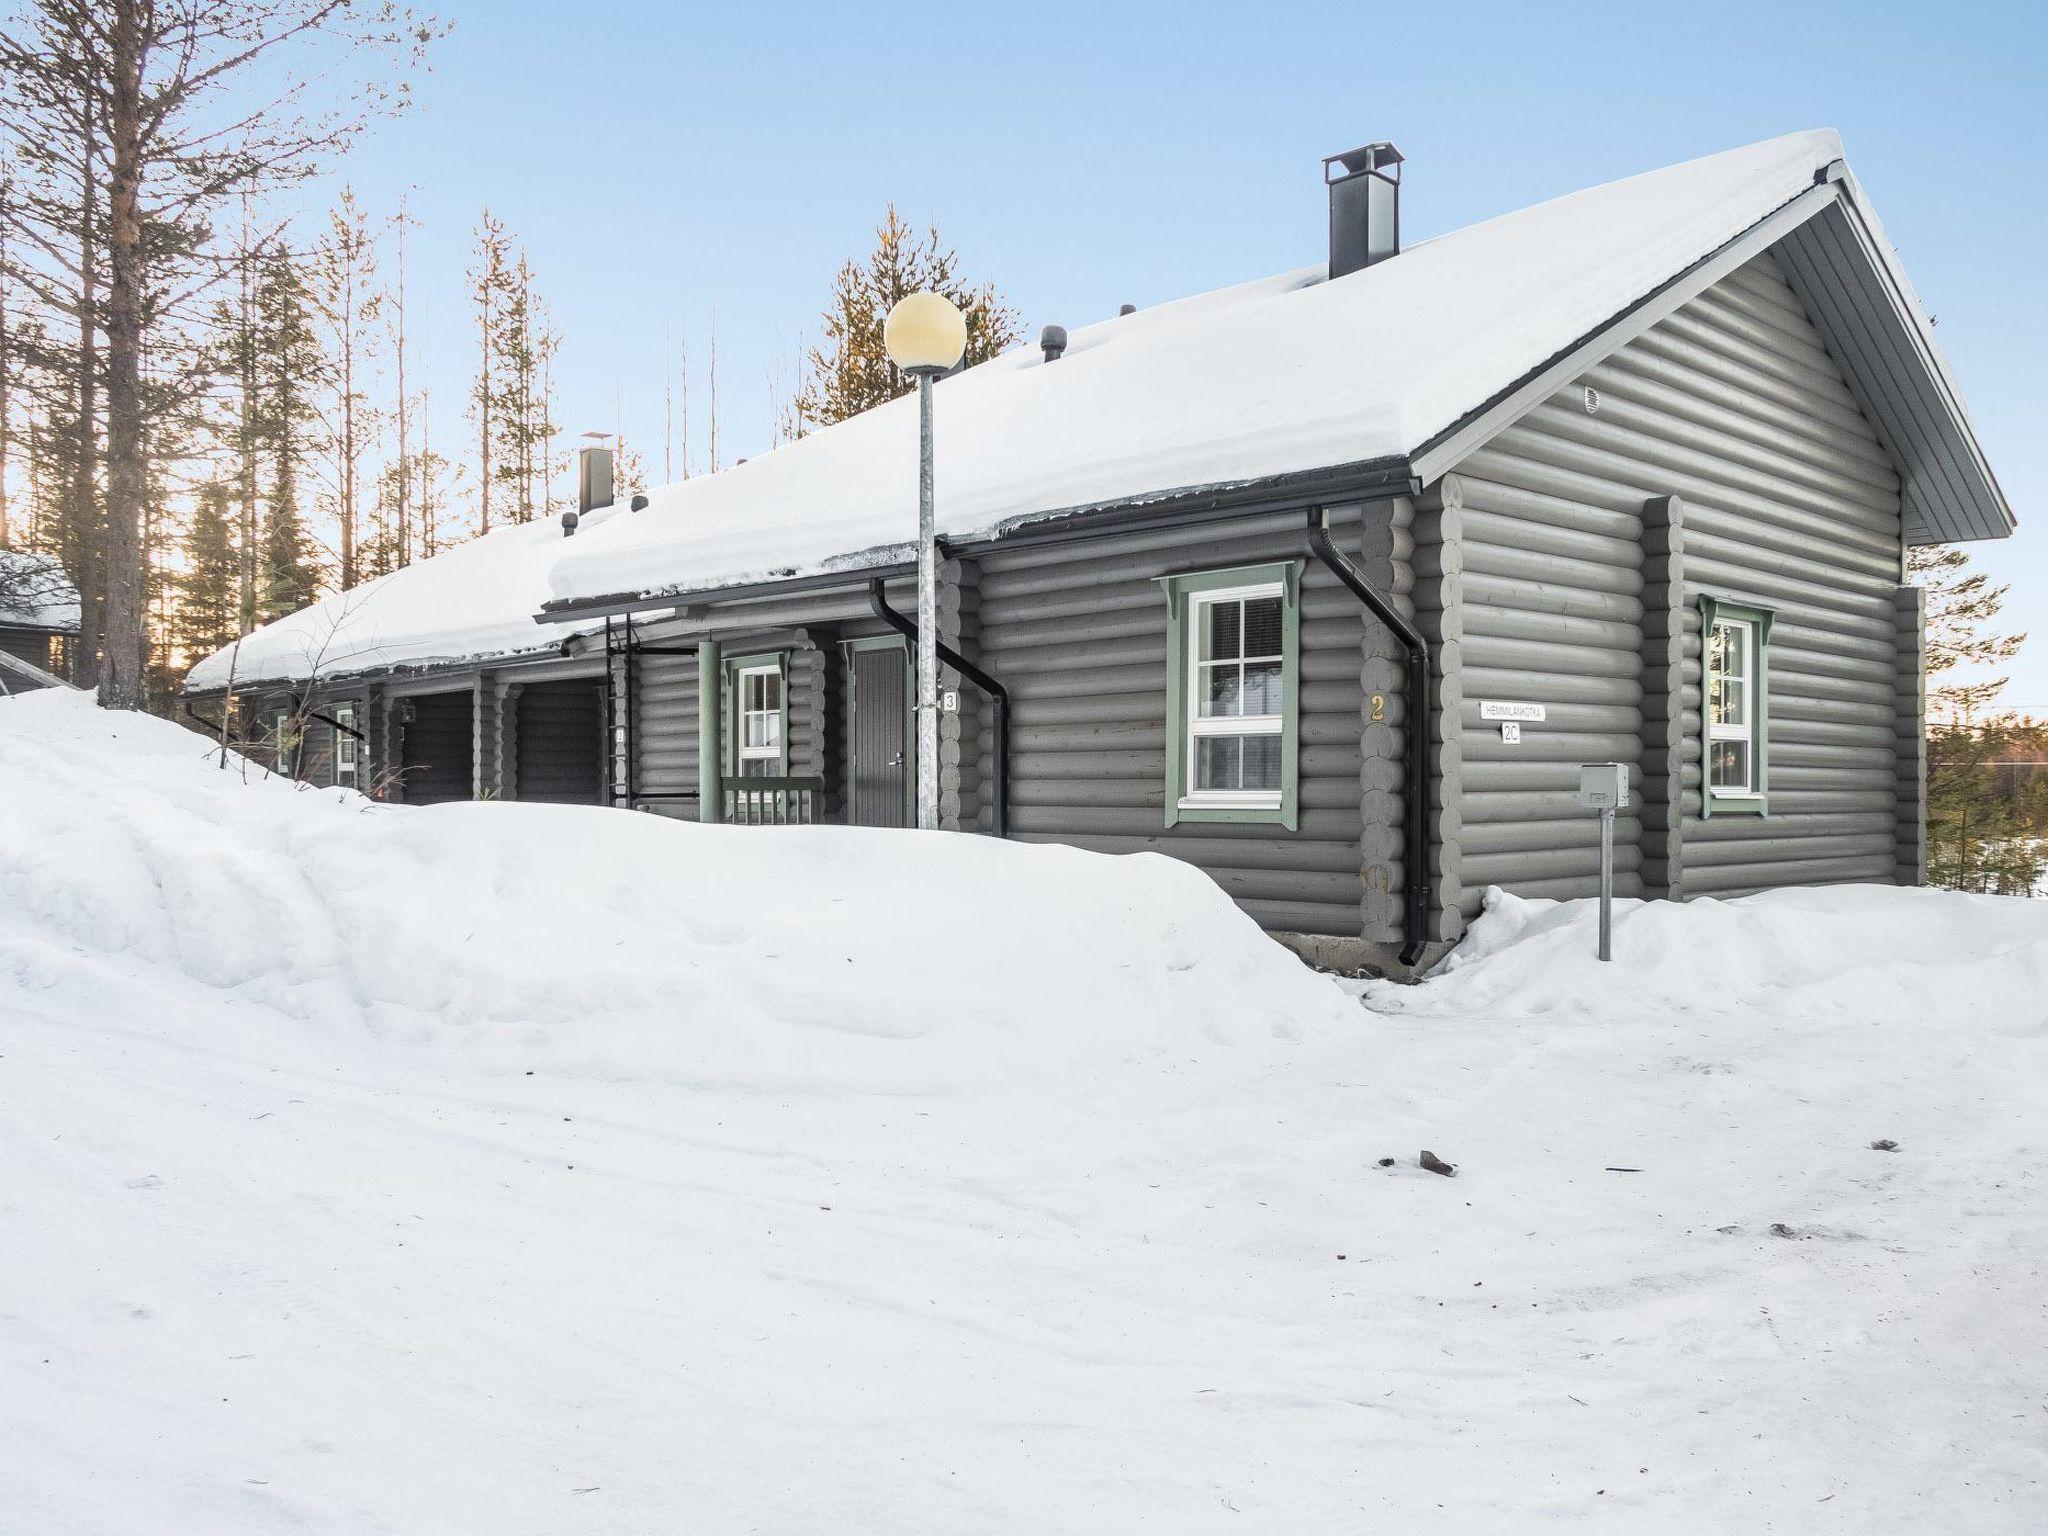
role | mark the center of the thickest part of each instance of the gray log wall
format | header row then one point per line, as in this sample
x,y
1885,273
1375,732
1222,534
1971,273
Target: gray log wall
x,y
1077,633
1720,453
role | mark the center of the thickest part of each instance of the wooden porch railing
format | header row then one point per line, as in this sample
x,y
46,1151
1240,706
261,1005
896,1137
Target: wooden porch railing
x,y
766,802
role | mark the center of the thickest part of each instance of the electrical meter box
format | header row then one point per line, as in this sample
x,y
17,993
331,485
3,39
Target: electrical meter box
x,y
1603,786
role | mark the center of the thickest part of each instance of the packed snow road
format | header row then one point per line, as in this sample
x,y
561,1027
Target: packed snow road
x,y
516,1169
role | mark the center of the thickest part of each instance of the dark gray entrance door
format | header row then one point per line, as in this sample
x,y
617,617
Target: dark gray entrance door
x,y
881,779
437,748
560,736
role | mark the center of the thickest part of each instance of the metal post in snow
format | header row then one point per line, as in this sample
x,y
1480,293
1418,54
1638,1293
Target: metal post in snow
x,y
925,335
1603,787
1607,883
927,617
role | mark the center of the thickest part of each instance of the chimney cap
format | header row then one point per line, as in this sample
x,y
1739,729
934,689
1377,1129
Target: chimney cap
x,y
1054,341
1377,156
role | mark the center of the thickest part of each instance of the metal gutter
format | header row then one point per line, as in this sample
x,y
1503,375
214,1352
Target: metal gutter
x,y
1417,888
999,700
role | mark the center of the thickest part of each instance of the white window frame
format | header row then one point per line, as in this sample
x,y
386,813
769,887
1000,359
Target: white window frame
x,y
346,747
1743,730
742,753
1202,727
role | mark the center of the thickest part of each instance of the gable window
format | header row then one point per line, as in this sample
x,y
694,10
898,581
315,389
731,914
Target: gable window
x,y
1735,687
757,738
345,745
1233,676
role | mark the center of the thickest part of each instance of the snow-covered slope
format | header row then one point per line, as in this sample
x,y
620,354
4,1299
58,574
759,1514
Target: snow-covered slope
x,y
534,1169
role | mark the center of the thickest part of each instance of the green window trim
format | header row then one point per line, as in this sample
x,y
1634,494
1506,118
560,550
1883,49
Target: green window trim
x,y
1180,590
1715,802
732,706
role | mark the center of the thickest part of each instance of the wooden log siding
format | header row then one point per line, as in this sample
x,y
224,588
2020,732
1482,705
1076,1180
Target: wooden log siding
x,y
1787,501
1077,633
665,730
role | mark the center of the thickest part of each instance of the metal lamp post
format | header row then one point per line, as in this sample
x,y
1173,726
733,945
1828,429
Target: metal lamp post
x,y
926,335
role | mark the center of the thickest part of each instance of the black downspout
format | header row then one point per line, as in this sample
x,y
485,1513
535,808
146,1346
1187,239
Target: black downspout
x,y
346,730
999,700
215,727
1420,715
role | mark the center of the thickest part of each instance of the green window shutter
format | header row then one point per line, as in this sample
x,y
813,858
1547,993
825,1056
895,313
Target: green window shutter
x,y
1180,591
1719,803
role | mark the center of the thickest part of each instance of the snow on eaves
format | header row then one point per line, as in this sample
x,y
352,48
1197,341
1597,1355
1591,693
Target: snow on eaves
x,y
1286,375
475,601
37,593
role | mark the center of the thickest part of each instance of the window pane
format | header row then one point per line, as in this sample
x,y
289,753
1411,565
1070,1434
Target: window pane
x,y
1731,703
1262,627
771,690
1219,762
1221,631
757,768
1222,690
1262,688
1262,762
1728,765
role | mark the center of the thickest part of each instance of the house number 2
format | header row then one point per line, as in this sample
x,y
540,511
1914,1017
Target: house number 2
x,y
1379,706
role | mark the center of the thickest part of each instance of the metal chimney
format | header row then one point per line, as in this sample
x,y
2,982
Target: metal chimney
x,y
1365,206
1053,341
593,484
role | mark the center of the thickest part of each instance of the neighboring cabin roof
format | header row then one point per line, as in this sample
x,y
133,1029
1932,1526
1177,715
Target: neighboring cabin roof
x,y
472,602
1277,378
36,593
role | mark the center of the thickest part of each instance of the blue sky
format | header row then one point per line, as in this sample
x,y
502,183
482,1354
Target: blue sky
x,y
664,163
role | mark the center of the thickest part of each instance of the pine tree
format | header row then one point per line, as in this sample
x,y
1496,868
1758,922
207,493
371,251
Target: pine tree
x,y
851,372
340,286
489,280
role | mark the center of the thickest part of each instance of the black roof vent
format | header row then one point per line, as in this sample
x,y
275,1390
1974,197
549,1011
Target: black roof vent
x,y
1053,339
1128,309
1365,206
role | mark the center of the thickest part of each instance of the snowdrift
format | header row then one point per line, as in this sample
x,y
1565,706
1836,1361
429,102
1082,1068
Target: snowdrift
x,y
367,1169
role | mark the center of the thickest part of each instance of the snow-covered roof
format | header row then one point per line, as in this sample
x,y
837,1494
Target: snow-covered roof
x,y
1287,375
36,593
474,601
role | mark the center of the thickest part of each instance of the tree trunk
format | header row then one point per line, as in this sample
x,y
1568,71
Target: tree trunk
x,y
121,665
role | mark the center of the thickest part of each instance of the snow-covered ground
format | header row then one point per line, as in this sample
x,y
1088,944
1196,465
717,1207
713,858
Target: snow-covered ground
x,y
526,1169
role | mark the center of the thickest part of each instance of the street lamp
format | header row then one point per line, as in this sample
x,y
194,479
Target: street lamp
x,y
925,335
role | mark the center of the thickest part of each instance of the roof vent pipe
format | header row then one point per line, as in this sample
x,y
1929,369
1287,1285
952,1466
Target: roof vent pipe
x,y
1127,309
1053,339
1365,206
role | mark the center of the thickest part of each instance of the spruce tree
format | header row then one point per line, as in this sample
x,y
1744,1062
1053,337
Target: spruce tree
x,y
1979,835
208,611
287,566
851,371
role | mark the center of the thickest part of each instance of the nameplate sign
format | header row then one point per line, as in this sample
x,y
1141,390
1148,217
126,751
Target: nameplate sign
x,y
1499,709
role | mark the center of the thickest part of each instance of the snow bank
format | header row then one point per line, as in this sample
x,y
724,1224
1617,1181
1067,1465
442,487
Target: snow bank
x,y
1870,953
373,1169
1286,374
